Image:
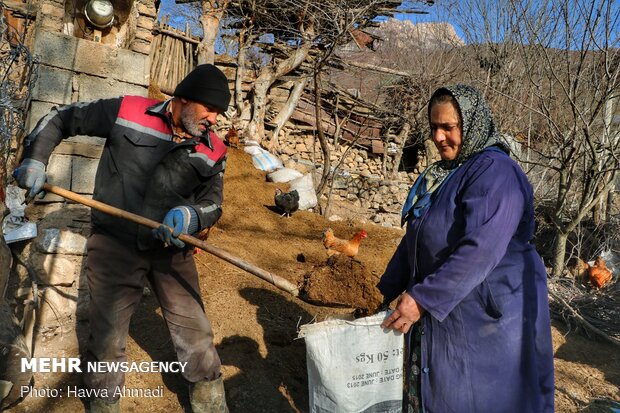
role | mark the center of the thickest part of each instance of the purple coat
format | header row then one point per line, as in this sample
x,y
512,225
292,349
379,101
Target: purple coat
x,y
486,332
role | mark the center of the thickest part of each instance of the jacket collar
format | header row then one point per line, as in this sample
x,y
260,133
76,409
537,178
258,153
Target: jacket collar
x,y
160,109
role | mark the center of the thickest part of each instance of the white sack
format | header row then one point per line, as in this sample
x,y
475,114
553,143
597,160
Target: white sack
x,y
266,161
354,366
284,175
305,189
252,147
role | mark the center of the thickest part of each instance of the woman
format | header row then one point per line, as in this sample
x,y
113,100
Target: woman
x,y
474,286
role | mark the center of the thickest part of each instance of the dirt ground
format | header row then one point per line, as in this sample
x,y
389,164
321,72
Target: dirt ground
x,y
256,324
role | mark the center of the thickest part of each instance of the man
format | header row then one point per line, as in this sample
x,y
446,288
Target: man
x,y
143,137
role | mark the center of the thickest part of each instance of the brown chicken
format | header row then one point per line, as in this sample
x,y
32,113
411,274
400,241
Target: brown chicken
x,y
599,274
232,137
335,246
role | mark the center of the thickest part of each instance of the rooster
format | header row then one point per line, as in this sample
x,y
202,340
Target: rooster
x,y
232,137
335,246
599,274
287,202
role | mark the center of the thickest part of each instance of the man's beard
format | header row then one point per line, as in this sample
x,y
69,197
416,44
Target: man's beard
x,y
192,126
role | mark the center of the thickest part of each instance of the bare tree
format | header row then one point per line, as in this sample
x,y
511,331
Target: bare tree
x,y
210,18
558,61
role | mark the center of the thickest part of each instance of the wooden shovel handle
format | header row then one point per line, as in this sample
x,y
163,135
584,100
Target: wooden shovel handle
x,y
273,279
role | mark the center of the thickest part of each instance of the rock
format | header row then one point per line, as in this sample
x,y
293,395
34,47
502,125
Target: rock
x,y
386,209
57,305
55,241
334,218
304,166
54,269
365,173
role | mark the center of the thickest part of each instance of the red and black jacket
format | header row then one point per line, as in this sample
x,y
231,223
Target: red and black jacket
x,y
137,151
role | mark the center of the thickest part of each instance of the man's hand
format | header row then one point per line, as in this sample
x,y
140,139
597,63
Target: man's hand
x,y
31,175
179,220
407,312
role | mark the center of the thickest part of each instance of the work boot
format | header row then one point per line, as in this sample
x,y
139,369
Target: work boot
x,y
105,406
208,396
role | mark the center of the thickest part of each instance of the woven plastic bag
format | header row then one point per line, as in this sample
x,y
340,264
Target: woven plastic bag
x,y
354,366
305,188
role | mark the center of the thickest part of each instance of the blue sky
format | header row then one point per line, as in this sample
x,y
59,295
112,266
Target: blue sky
x,y
441,11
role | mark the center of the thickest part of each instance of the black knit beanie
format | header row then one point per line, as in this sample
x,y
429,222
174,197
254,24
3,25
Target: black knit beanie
x,y
205,84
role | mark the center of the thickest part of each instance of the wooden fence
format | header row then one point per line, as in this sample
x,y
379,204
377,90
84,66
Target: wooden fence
x,y
172,55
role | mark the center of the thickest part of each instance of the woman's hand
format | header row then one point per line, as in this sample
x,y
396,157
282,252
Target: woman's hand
x,y
406,313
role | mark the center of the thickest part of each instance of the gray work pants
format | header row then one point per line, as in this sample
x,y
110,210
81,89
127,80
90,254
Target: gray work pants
x,y
116,274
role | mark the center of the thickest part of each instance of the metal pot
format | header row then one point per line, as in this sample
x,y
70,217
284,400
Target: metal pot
x,y
99,13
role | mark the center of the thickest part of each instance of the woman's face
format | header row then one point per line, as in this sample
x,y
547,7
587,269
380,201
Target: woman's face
x,y
446,130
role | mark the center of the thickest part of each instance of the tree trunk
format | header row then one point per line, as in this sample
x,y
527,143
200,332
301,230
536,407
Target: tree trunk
x,y
212,12
268,75
287,111
322,138
402,141
256,127
559,253
244,42
599,212
239,81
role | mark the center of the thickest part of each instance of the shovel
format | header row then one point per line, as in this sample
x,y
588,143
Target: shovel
x,y
273,279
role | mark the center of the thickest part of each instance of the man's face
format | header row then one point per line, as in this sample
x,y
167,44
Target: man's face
x,y
197,118
446,130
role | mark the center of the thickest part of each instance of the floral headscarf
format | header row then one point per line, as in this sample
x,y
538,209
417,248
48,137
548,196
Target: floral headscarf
x,y
478,128
478,133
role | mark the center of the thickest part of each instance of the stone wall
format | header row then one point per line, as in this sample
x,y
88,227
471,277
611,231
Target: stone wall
x,y
361,177
146,15
132,28
71,69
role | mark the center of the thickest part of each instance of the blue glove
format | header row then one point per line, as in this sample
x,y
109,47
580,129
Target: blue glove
x,y
182,220
31,175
